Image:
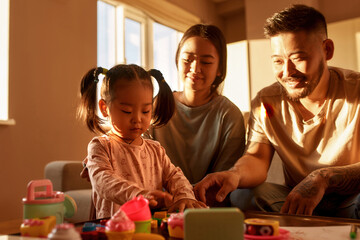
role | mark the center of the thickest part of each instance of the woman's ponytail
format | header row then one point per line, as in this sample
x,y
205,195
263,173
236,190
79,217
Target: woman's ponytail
x,y
87,110
164,103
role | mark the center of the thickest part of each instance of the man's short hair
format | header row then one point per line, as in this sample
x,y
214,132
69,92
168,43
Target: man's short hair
x,y
295,18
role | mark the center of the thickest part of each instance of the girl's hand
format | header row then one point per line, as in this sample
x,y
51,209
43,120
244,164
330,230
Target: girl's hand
x,y
159,199
182,204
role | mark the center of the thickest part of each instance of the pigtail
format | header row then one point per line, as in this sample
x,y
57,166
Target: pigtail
x,y
87,110
164,103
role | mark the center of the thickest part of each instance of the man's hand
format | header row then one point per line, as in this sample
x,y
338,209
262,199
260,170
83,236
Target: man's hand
x,y
182,204
306,195
228,181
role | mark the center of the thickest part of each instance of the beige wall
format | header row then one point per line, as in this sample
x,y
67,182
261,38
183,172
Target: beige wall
x,y
232,25
52,43
256,12
204,9
346,37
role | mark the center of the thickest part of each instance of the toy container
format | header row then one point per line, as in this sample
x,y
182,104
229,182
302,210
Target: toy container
x,y
64,231
176,225
41,204
138,210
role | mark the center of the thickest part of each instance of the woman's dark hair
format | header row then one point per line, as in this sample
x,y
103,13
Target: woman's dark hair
x,y
295,18
216,37
164,104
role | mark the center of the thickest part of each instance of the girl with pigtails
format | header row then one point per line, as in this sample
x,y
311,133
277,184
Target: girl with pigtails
x,y
120,163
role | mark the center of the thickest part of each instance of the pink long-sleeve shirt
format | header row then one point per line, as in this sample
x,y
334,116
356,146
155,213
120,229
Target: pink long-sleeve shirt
x,y
119,171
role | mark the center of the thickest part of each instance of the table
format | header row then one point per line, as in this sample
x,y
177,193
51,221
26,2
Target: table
x,y
285,220
301,220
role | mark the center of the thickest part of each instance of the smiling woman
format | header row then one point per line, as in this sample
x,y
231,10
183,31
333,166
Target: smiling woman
x,y
206,133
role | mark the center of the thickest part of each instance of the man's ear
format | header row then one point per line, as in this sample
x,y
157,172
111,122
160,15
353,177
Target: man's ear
x,y
103,108
328,46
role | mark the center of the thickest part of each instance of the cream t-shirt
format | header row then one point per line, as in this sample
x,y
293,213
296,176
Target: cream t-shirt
x,y
331,138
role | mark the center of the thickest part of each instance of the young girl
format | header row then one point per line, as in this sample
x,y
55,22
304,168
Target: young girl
x,y
121,164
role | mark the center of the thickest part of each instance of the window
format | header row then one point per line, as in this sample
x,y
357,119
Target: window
x,y
127,35
106,56
4,62
166,38
133,41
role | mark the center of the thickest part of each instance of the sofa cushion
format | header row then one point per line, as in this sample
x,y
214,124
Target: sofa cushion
x,y
82,198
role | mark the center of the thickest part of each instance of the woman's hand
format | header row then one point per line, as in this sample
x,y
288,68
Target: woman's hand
x,y
182,204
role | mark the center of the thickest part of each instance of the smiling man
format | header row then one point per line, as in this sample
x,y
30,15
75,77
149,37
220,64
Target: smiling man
x,y
310,117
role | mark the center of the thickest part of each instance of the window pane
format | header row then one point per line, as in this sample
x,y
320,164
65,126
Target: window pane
x,y
165,44
105,35
132,41
4,58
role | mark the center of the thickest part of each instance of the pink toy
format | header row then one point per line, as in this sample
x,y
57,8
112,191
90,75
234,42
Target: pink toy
x,y
176,225
137,209
120,227
283,235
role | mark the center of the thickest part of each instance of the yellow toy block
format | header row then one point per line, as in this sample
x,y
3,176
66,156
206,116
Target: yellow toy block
x,y
37,227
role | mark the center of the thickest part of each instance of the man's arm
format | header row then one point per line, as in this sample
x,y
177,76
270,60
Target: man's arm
x,y
308,193
249,171
343,180
254,165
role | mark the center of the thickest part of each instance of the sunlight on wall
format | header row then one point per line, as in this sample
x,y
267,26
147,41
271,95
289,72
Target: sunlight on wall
x,y
4,59
346,41
236,86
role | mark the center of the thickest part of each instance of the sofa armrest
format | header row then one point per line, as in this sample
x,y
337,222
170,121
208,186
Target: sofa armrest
x,y
65,175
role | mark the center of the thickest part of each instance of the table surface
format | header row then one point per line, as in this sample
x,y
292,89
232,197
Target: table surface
x,y
12,227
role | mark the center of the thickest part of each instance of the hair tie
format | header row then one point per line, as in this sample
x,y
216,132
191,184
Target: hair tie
x,y
97,72
157,75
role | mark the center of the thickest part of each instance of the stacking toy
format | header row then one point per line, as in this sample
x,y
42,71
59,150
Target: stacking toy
x,y
37,227
138,210
261,227
64,231
176,225
119,227
41,204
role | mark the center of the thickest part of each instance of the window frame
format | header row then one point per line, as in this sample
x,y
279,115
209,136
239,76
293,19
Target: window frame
x,y
4,63
123,11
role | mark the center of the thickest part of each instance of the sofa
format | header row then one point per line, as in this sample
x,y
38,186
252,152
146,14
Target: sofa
x,y
65,177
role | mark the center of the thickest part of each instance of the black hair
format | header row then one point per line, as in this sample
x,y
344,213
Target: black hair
x,y
164,106
295,18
